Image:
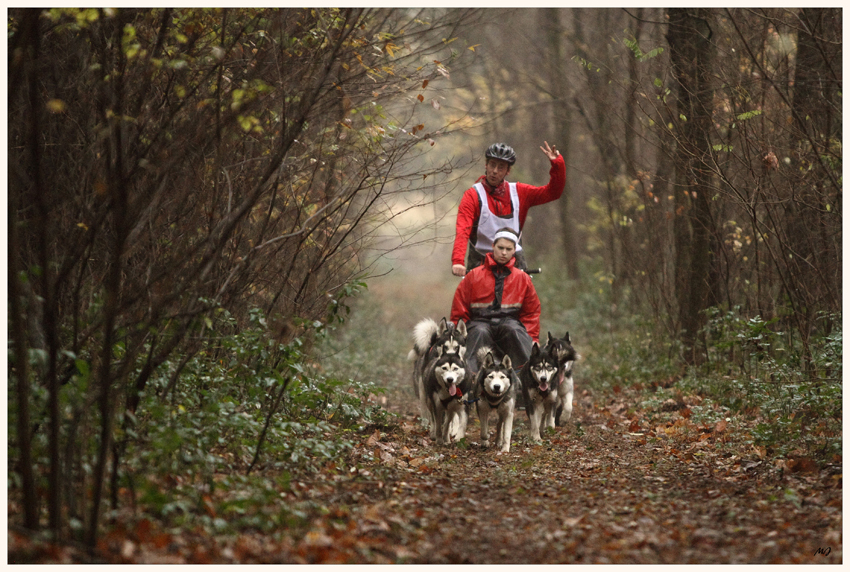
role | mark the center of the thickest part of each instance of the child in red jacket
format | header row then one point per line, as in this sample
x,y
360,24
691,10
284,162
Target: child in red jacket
x,y
499,305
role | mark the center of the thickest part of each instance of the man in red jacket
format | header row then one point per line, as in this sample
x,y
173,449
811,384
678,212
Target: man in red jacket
x,y
492,203
499,305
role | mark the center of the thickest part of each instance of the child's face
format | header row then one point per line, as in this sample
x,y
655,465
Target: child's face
x,y
503,250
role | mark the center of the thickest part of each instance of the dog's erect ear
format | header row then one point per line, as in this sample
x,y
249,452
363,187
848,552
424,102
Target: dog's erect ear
x,y
550,338
461,327
488,360
506,362
567,337
535,349
443,326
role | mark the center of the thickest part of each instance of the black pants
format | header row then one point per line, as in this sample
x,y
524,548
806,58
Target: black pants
x,y
503,336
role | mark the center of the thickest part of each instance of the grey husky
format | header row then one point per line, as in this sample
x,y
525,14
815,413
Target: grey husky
x,y
495,390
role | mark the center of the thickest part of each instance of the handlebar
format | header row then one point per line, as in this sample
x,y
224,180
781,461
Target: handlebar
x,y
533,270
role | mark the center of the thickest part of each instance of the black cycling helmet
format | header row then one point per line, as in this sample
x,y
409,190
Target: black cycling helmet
x,y
502,152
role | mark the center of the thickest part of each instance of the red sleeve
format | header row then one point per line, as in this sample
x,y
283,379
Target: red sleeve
x,y
529,314
460,303
467,213
530,196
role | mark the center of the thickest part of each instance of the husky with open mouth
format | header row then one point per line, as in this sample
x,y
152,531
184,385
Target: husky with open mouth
x,y
539,378
431,341
562,350
495,390
447,382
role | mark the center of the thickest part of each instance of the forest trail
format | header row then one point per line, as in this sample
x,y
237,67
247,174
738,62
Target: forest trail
x,y
605,489
626,481
620,484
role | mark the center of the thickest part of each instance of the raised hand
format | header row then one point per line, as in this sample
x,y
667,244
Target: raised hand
x,y
552,153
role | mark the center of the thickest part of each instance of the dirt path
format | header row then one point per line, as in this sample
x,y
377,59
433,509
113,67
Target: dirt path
x,y
620,484
601,491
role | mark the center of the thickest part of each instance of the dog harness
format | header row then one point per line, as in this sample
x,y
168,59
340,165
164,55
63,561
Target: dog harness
x,y
498,401
489,223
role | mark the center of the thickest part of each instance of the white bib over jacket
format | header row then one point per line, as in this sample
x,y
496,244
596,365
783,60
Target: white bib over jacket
x,y
489,223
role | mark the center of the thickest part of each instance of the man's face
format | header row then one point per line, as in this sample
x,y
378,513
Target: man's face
x,y
495,171
503,250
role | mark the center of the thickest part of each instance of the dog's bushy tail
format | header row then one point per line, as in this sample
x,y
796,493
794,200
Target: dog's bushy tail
x,y
423,332
482,352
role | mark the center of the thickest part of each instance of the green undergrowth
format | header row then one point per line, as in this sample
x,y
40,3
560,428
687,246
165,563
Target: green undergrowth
x,y
752,369
219,437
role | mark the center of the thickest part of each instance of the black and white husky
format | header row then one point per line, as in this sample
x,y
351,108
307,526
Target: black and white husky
x,y
431,341
447,383
547,384
539,377
495,390
562,350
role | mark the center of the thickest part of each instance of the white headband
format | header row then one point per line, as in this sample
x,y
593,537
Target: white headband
x,y
505,234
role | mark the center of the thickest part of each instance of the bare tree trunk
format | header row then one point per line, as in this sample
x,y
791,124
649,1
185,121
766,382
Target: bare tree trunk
x,y
631,104
561,130
691,55
20,367
815,85
47,269
118,194
599,124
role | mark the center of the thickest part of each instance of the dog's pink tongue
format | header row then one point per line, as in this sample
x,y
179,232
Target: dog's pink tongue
x,y
544,386
452,390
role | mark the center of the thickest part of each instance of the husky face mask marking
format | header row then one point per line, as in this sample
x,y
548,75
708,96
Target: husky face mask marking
x,y
450,374
543,373
497,382
451,346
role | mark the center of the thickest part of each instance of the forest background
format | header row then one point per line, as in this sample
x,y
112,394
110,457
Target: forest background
x,y
198,197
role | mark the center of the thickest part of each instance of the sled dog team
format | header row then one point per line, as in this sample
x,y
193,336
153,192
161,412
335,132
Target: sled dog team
x,y
447,388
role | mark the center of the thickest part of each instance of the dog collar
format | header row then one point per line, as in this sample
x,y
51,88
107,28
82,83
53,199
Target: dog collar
x,y
497,401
